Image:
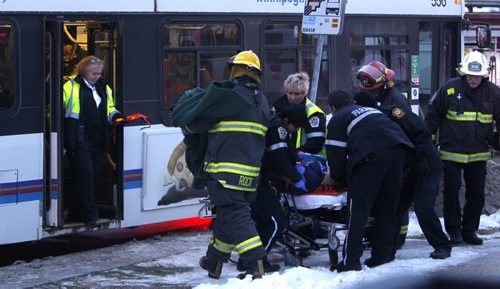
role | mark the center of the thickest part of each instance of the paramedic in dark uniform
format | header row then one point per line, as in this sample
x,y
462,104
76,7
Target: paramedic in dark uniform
x,y
278,169
90,109
311,138
463,112
421,184
233,156
366,151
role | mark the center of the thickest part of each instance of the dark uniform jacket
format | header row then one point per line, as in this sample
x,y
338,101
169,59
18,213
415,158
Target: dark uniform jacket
x,y
354,132
425,158
464,118
280,158
236,143
314,130
392,96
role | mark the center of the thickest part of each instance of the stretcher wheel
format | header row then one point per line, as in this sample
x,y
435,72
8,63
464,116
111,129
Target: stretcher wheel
x,y
292,260
334,257
333,242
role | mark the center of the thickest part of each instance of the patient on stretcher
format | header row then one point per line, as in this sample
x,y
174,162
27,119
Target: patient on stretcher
x,y
316,196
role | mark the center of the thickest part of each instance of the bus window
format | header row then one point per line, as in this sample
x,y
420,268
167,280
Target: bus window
x,y
387,42
7,61
190,60
74,46
286,51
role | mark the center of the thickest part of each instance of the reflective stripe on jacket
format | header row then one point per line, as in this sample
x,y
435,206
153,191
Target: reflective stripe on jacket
x,y
464,120
237,143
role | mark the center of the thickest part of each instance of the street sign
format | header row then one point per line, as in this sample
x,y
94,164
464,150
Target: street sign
x,y
323,16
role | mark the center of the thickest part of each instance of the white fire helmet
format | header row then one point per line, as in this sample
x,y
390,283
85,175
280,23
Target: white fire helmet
x,y
474,63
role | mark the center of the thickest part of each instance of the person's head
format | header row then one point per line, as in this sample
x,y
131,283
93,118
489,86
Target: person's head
x,y
375,76
90,67
294,116
363,98
296,87
475,67
338,99
245,63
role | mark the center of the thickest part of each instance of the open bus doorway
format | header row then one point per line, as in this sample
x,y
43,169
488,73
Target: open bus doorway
x,y
66,43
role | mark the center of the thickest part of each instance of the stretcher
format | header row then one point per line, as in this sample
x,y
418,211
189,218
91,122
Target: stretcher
x,y
322,210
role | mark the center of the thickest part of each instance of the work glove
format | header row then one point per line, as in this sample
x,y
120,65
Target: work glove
x,y
300,168
422,169
300,185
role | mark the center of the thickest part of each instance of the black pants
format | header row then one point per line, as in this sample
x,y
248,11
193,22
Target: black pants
x,y
474,177
87,164
423,194
233,229
374,184
268,215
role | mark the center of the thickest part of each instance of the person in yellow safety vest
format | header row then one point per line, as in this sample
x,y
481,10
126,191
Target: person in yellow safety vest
x,y
233,154
89,110
462,113
311,138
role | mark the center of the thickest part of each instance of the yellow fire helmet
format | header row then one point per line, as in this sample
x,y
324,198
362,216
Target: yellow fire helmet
x,y
247,58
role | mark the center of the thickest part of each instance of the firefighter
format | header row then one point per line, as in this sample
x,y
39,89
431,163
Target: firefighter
x,y
461,113
311,138
377,80
278,169
366,151
90,109
234,149
421,183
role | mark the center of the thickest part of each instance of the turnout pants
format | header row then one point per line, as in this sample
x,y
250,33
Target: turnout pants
x,y
374,184
268,215
475,177
233,228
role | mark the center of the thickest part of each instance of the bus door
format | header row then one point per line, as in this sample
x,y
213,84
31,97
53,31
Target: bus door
x,y
53,150
68,42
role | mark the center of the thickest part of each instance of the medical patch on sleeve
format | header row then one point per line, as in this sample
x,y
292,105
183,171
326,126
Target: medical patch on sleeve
x,y
314,121
282,132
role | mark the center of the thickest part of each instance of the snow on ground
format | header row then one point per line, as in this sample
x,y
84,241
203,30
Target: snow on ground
x,y
182,270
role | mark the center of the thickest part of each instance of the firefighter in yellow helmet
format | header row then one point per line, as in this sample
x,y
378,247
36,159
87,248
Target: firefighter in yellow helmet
x,y
461,118
235,146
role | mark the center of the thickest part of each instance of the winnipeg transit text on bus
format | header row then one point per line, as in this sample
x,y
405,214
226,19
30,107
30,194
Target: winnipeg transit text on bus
x,y
155,50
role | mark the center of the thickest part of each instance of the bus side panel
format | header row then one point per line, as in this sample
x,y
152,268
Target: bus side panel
x,y
21,187
147,178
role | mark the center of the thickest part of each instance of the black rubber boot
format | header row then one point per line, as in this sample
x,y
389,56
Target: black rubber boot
x,y
440,253
214,268
472,239
255,269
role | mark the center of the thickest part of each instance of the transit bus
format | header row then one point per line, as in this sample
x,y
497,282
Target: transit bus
x,y
156,49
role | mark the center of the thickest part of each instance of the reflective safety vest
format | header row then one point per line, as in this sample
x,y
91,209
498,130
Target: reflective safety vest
x,y
71,100
311,109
